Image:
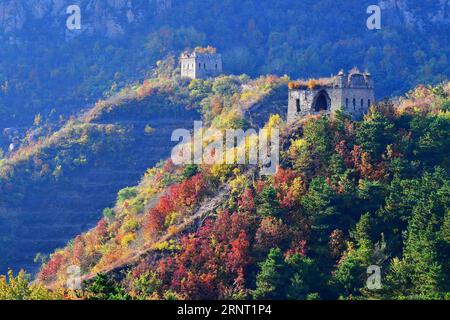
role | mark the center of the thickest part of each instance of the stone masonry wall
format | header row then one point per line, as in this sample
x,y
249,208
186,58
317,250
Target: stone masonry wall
x,y
337,98
201,66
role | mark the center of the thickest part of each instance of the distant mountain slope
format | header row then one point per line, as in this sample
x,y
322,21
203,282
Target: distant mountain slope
x,y
121,40
348,195
55,188
115,18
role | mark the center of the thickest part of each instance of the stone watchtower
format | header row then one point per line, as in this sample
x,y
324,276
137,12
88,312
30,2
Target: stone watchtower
x,y
353,93
202,63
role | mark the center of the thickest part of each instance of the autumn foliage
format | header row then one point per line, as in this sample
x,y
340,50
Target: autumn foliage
x,y
179,200
346,195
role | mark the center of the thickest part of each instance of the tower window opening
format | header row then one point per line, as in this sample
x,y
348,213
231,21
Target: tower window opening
x,y
368,103
346,103
362,103
354,104
297,104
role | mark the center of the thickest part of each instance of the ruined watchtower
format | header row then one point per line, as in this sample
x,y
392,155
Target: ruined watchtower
x,y
201,63
353,93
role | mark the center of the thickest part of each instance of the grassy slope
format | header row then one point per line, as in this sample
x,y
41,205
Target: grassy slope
x,y
55,188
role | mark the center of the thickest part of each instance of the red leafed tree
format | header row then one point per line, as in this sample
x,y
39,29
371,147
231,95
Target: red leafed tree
x,y
298,247
187,192
212,262
238,258
283,178
102,228
169,166
259,186
367,169
78,250
157,215
180,198
50,270
285,184
247,201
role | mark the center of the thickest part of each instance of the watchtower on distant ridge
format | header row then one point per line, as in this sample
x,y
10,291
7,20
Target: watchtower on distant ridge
x,y
201,63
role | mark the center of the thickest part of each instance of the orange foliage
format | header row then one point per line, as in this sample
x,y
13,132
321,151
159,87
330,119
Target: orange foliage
x,y
289,187
363,165
212,261
294,85
311,84
216,106
145,90
78,251
180,198
271,233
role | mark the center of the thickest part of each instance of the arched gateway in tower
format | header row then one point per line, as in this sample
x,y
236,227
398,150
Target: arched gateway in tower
x,y
321,102
326,95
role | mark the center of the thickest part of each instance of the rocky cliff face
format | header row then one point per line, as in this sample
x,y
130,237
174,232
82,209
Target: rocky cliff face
x,y
411,13
107,17
113,17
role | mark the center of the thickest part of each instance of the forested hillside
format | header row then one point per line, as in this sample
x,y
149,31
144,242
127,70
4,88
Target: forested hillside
x,y
120,41
86,121
346,196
